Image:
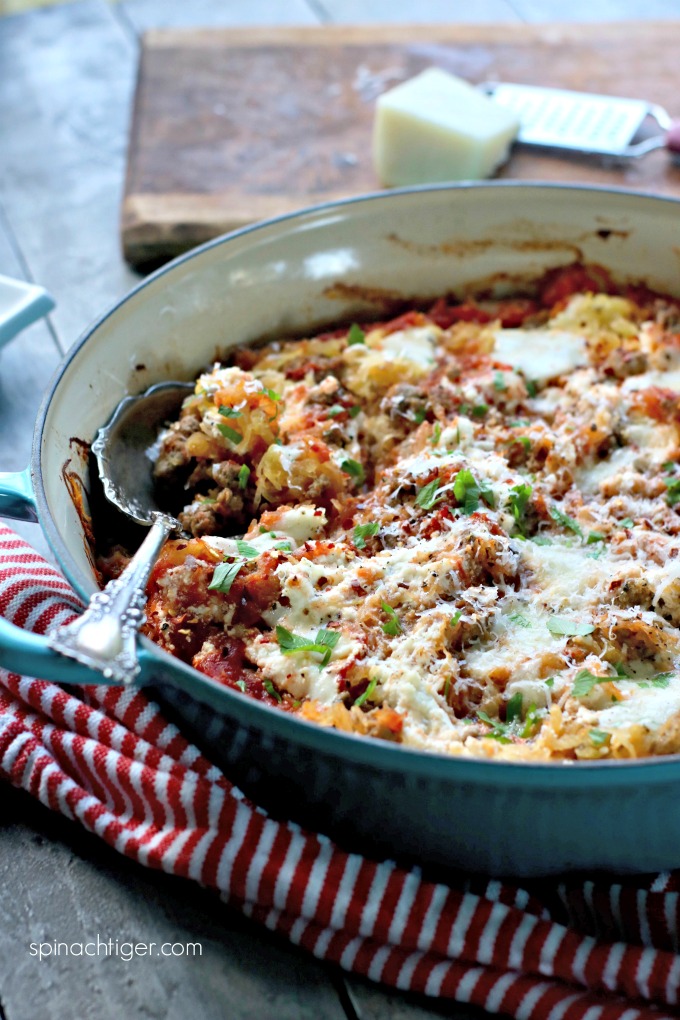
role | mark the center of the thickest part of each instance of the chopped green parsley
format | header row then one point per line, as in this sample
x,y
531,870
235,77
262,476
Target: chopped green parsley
x,y
514,725
364,531
468,491
324,643
585,681
427,497
231,434
393,626
271,690
513,709
660,680
353,468
355,335
224,576
499,730
673,490
367,694
531,722
565,520
246,549
518,500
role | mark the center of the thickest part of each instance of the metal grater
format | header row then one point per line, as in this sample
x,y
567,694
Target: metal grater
x,y
586,123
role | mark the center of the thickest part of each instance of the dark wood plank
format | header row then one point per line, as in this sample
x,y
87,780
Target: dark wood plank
x,y
58,884
233,126
65,92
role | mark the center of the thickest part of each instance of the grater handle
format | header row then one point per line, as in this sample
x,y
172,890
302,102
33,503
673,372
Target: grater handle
x,y
673,136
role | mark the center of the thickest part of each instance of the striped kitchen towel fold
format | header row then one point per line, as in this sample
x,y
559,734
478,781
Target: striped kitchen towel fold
x,y
589,948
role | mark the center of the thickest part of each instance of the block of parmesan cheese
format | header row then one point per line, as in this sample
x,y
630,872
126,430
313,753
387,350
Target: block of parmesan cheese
x,y
436,127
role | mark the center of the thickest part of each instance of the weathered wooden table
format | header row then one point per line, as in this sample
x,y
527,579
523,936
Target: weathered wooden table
x,y
67,74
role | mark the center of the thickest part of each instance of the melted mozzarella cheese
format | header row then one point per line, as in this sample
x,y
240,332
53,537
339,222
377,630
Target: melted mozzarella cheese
x,y
409,679
517,642
260,543
386,359
589,479
567,576
318,593
294,526
304,609
644,706
540,354
417,345
665,380
302,523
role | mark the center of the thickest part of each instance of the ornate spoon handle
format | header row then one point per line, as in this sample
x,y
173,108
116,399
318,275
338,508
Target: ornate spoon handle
x,y
105,636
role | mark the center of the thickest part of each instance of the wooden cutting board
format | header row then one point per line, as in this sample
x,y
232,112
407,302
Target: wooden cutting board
x,y
232,126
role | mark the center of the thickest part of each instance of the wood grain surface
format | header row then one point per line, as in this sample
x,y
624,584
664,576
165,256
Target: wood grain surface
x,y
235,126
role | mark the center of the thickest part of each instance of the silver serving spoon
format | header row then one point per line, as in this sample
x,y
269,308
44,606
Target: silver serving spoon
x,y
105,636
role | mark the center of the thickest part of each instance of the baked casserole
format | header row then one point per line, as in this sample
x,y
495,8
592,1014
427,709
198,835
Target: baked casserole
x,y
456,529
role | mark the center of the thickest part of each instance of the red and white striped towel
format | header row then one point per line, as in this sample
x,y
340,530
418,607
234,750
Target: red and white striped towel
x,y
576,949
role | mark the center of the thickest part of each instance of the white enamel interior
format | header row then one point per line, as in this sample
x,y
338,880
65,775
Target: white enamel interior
x,y
281,277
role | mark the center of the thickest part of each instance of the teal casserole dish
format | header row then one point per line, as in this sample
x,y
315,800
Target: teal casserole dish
x,y
333,263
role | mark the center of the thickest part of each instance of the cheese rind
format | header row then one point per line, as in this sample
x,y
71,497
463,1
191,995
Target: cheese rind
x,y
436,127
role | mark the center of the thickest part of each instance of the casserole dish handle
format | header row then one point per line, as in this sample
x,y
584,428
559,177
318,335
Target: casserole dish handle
x,y
22,651
30,654
21,304
16,496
